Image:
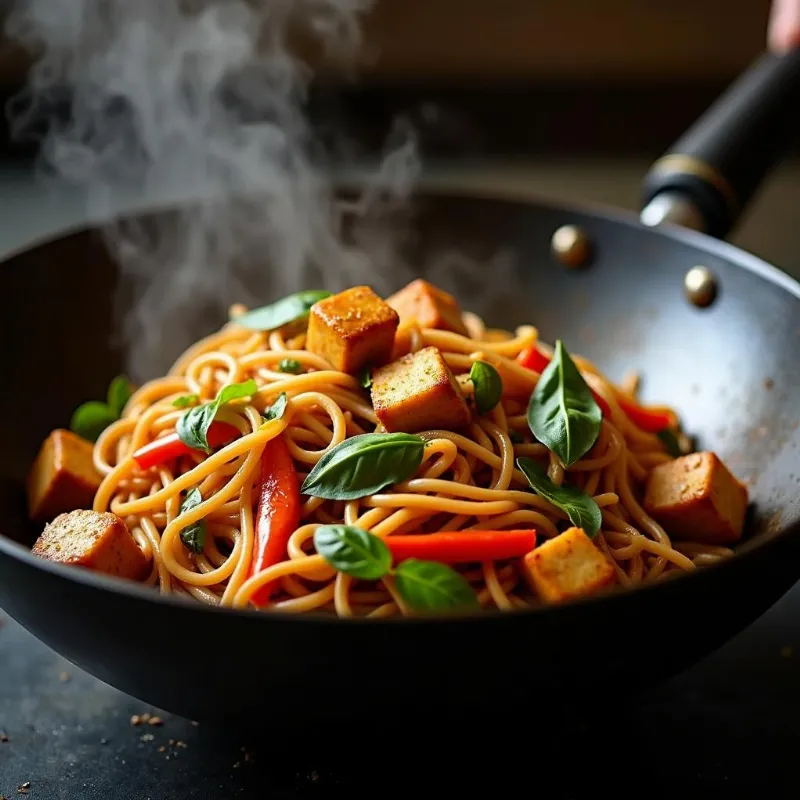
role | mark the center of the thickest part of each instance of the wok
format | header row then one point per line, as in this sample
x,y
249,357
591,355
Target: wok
x,y
626,309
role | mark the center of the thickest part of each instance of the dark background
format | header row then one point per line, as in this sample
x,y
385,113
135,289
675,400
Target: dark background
x,y
569,99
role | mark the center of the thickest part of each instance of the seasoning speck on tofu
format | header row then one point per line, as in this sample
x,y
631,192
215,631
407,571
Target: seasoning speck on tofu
x,y
696,497
352,329
418,392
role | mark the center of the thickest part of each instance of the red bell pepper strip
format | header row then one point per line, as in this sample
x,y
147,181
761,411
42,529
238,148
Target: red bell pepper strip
x,y
277,512
462,546
649,420
168,447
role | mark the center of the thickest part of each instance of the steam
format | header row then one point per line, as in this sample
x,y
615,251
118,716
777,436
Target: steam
x,y
205,100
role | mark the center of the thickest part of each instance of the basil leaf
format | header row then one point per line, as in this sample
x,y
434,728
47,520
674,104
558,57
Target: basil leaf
x,y
365,378
193,536
669,438
119,392
192,427
562,413
291,365
488,386
363,465
430,586
277,409
281,313
185,401
353,551
581,509
90,419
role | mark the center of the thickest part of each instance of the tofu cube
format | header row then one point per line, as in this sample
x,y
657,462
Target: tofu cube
x,y
418,392
429,306
62,478
696,497
93,540
352,329
567,567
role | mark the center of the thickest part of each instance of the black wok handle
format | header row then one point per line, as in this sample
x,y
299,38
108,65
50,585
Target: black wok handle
x,y
707,177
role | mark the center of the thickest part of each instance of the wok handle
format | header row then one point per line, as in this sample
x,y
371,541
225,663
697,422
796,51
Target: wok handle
x,y
707,177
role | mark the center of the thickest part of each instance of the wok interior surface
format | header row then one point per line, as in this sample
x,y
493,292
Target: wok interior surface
x,y
728,370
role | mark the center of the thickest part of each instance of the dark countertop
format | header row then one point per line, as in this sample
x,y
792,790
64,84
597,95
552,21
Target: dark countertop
x,y
730,725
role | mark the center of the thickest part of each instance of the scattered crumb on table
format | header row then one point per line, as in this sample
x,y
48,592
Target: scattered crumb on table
x,y
3,737
64,677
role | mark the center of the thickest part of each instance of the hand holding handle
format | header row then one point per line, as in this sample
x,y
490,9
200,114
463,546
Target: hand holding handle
x,y
708,176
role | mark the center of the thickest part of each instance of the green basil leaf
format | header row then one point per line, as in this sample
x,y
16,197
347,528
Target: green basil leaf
x,y
365,378
192,427
430,586
353,551
488,386
290,365
90,419
516,437
119,392
185,401
581,509
193,536
364,464
289,309
562,413
277,409
669,438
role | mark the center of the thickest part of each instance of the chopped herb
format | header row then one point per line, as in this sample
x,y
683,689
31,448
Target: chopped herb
x,y
277,409
488,386
193,536
91,418
290,365
365,378
516,437
364,464
669,438
192,427
562,412
289,309
185,401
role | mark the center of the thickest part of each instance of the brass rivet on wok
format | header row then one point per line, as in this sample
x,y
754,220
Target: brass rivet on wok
x,y
701,286
571,246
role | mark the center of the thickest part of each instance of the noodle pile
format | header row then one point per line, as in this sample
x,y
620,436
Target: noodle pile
x,y
467,480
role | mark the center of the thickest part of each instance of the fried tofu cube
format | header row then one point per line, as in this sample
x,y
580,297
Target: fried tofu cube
x,y
567,567
429,306
352,329
418,392
96,540
62,478
696,497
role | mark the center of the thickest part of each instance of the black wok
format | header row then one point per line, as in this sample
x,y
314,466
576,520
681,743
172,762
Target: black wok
x,y
627,309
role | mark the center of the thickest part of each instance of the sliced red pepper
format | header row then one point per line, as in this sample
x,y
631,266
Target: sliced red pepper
x,y
277,512
462,546
649,420
169,447
531,358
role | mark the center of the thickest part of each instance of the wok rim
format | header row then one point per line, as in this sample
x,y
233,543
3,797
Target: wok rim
x,y
736,256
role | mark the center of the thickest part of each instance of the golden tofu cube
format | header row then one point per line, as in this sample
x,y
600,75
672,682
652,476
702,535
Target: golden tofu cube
x,y
63,476
418,392
352,329
697,498
429,306
94,540
567,567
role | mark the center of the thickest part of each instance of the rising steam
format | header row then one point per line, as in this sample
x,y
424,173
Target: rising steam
x,y
204,99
